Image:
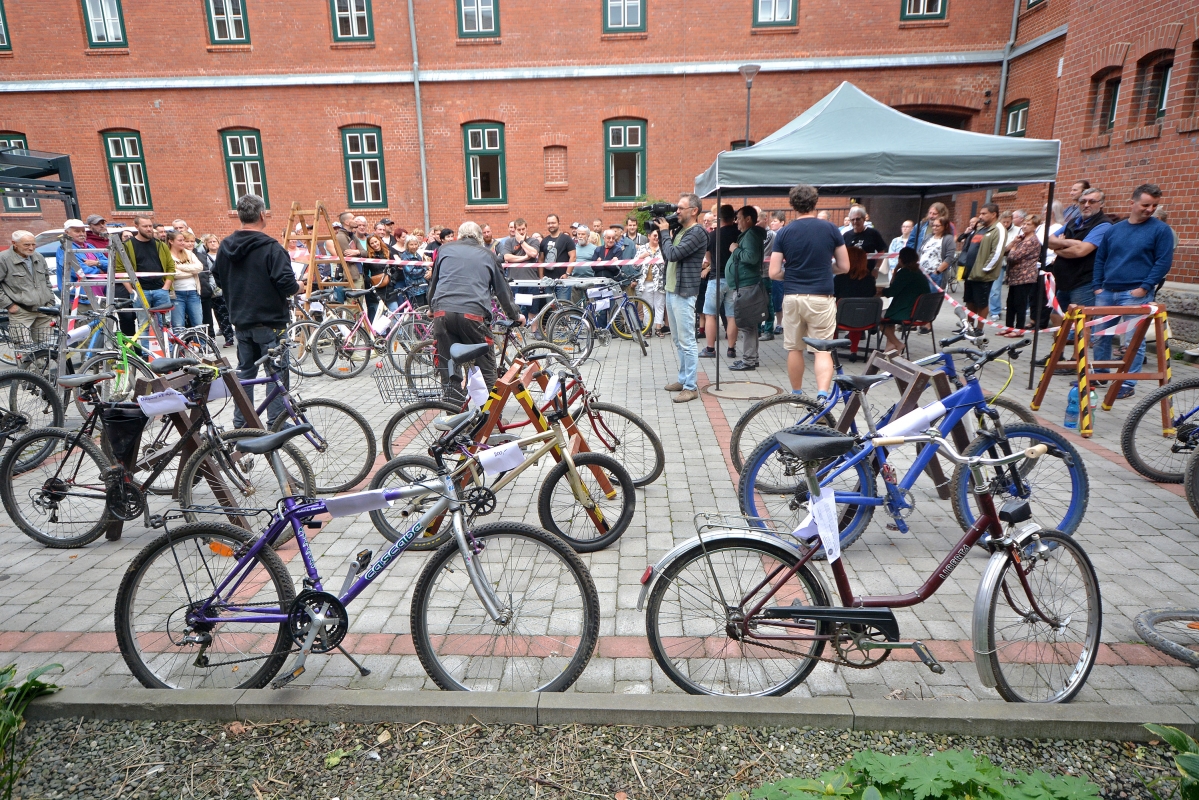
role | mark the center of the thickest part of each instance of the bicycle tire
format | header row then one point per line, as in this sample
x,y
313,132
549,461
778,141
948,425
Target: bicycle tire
x,y
211,559
571,330
196,344
1174,444
1021,413
394,521
301,339
786,502
1020,676
245,477
642,455
1147,623
405,335
557,631
673,640
340,351
644,314
420,371
410,430
22,476
581,532
806,411
1049,509
121,388
37,403
344,431
1191,484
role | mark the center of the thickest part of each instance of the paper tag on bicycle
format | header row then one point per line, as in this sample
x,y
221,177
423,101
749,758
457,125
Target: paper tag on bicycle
x,y
501,459
217,390
78,334
598,292
524,299
476,387
349,505
381,322
551,387
159,403
825,510
807,530
600,305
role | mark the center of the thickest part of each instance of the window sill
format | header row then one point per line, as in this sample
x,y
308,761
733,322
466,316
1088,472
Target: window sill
x,y
1189,124
1027,12
615,205
130,214
486,207
230,48
477,41
20,215
1148,132
6,54
923,23
1096,142
107,51
775,30
556,186
266,213
352,46
620,37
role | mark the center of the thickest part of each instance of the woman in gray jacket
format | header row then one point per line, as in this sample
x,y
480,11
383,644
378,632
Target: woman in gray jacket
x,y
937,253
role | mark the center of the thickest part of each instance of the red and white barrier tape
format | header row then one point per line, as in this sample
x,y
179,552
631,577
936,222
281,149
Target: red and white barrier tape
x,y
1004,330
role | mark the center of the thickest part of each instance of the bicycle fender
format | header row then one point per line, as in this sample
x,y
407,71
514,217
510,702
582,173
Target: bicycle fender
x,y
654,570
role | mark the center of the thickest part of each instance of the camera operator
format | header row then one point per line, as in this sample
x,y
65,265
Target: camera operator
x,y
683,252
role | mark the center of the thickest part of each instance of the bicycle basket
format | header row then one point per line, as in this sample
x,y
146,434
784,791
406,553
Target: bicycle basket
x,y
123,425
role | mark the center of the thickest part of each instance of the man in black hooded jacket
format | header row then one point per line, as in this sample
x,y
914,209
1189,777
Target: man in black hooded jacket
x,y
254,272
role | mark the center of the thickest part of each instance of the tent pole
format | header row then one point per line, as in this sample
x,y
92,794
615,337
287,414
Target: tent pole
x,y
714,275
918,222
1039,298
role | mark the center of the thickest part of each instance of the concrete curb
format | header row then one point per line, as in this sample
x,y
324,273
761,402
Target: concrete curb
x,y
1081,721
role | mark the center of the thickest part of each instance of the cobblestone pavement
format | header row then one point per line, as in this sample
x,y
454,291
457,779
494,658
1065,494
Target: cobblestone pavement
x,y
1142,538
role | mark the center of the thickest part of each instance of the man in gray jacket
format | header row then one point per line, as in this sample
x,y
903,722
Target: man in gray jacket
x,y
25,285
465,277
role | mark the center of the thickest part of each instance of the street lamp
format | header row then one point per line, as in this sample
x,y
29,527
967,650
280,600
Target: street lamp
x,y
748,71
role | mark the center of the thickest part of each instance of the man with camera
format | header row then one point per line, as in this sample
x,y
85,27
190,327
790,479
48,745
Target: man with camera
x,y
683,250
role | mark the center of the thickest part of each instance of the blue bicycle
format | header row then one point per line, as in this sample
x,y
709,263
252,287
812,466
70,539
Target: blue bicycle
x,y
772,484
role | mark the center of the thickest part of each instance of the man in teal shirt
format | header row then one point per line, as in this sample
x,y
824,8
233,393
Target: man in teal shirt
x,y
744,275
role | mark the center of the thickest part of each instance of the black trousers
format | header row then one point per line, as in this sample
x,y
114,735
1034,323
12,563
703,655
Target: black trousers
x,y
252,345
216,305
452,328
126,319
1018,298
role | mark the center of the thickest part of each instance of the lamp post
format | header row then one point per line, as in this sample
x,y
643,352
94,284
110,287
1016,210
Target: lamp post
x,y
748,71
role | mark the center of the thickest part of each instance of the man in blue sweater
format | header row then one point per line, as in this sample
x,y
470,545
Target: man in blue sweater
x,y
1131,262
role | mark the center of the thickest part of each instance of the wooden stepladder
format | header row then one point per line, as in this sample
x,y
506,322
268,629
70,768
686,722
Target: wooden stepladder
x,y
313,235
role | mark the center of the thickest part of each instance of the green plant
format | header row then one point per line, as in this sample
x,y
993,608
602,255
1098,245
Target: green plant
x,y
1186,760
949,774
14,699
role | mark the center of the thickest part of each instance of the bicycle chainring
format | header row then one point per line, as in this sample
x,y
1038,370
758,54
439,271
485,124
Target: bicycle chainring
x,y
848,640
125,500
481,500
1185,437
904,513
306,606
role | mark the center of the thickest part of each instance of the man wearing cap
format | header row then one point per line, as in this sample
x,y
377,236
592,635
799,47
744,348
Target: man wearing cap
x,y
97,231
25,285
390,240
85,258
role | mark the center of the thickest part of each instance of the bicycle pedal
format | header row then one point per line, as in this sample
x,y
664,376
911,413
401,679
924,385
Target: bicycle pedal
x,y
279,683
930,661
157,521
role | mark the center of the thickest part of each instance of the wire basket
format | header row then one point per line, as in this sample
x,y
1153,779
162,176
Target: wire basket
x,y
25,341
404,388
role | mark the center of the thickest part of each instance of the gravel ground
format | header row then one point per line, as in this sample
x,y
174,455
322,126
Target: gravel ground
x,y
294,759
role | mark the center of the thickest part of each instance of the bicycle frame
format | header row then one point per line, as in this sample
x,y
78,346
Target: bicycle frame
x,y
276,391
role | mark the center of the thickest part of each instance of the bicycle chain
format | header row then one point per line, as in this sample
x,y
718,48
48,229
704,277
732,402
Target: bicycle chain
x,y
825,659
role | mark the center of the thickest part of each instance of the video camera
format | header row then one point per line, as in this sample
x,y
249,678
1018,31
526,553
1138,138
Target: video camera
x,y
657,211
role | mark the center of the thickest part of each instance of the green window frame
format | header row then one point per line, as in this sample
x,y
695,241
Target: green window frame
x,y
1032,3
127,171
18,204
775,13
625,16
1111,103
624,159
1162,74
1016,119
486,167
244,166
366,179
5,42
478,18
353,20
922,9
105,23
227,23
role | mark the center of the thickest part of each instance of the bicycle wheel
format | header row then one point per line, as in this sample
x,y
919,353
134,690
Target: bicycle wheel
x,y
394,521
179,571
562,514
1011,412
166,436
1034,660
345,448
32,403
1174,631
410,430
1191,484
1162,430
404,335
697,601
52,486
340,351
643,313
197,344
544,589
772,485
301,340
249,480
122,386
1056,484
573,332
626,437
766,418
420,371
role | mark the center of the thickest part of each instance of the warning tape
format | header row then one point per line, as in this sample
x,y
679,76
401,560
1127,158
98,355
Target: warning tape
x,y
1004,329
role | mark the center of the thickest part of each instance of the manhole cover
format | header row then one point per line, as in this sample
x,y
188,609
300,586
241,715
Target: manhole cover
x,y
742,390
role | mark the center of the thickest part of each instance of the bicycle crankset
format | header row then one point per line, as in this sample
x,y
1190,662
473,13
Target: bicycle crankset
x,y
125,500
852,640
481,500
311,605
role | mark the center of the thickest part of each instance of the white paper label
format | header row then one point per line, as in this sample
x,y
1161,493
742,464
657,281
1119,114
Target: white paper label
x,y
551,388
524,299
159,403
476,387
501,459
825,511
381,322
600,305
807,529
217,390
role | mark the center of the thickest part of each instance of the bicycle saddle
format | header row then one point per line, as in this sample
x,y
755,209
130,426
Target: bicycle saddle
x,y
814,448
161,366
321,295
50,311
467,352
75,381
860,383
261,445
825,345
358,293
449,423
504,323
122,302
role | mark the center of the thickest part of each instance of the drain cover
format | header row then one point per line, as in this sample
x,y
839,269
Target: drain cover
x,y
742,390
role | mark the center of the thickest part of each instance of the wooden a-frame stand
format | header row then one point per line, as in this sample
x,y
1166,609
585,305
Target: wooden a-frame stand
x,y
321,230
1076,319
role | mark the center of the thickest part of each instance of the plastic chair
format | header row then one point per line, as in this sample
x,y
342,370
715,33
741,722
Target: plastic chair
x,y
858,315
925,309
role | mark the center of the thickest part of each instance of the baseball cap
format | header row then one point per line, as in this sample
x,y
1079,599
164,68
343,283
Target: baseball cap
x,y
96,219
574,226
73,223
387,221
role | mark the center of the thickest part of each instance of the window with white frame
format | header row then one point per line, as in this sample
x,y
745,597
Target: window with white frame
x,y
774,12
365,183
105,23
127,169
244,167
922,9
478,18
5,44
624,16
227,22
624,146
1017,119
486,178
352,20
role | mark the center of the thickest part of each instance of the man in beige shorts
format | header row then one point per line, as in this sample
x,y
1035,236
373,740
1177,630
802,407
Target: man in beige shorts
x,y
807,253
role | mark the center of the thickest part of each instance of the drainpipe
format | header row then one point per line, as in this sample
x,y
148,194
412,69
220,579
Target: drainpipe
x,y
1007,56
420,124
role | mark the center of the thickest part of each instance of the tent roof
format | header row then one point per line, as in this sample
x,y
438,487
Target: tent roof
x,y
848,143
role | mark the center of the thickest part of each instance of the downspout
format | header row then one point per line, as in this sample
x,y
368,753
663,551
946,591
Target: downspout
x,y
1003,71
420,124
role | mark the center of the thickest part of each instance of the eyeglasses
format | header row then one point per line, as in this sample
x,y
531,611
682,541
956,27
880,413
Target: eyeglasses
x,y
1090,202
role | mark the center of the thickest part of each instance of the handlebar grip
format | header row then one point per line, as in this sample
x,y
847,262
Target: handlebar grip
x,y
888,441
1036,451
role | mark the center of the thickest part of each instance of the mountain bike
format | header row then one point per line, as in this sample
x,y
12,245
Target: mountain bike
x,y
739,610
503,606
27,401
1162,430
576,328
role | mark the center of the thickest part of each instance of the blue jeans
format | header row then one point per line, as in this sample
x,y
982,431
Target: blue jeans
x,y
682,331
1079,296
1103,347
188,311
252,345
157,298
997,294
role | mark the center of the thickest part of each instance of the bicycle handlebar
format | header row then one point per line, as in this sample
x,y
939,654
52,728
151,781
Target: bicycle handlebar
x,y
274,352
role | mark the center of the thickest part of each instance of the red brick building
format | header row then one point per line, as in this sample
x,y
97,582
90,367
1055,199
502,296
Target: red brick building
x,y
177,108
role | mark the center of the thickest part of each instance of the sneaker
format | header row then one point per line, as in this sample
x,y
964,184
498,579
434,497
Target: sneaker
x,y
778,330
229,343
731,352
741,366
686,395
766,337
708,352
673,387
1126,391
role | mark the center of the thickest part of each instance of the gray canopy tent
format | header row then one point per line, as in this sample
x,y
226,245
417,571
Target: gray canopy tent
x,y
849,144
